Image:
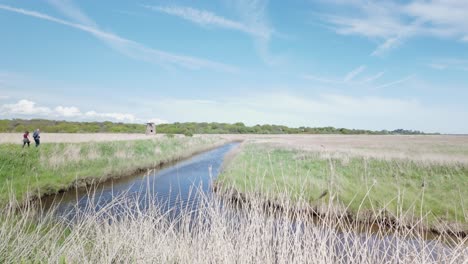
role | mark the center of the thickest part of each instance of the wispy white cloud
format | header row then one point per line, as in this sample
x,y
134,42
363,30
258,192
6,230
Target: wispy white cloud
x,y
207,18
127,47
349,78
29,108
321,79
4,97
254,14
373,78
352,74
449,63
393,22
69,9
438,66
253,20
394,82
387,45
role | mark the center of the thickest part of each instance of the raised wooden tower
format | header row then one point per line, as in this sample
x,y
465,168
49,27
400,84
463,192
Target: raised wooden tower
x,y
150,129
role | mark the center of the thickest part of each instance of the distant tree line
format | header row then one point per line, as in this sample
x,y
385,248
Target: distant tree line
x,y
240,128
52,126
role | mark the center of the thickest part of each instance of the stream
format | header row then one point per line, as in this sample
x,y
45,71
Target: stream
x,y
174,186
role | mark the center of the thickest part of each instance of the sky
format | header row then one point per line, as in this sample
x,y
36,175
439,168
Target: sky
x,y
344,63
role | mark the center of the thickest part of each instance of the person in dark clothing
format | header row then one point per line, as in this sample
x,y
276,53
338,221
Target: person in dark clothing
x,y
37,137
26,138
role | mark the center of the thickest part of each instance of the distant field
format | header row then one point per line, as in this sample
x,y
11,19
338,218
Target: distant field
x,y
425,148
73,137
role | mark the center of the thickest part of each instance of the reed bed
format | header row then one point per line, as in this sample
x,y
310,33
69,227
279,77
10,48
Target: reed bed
x,y
219,230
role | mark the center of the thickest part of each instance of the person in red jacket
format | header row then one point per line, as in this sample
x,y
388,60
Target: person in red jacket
x,y
26,139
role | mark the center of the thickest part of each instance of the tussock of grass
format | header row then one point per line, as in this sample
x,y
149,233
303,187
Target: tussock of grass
x,y
214,233
52,167
436,191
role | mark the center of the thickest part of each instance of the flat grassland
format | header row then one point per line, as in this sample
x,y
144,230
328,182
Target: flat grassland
x,y
26,173
74,138
406,178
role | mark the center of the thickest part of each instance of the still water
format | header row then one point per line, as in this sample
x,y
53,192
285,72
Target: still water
x,y
177,186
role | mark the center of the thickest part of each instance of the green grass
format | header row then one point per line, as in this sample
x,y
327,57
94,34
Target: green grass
x,y
399,186
56,166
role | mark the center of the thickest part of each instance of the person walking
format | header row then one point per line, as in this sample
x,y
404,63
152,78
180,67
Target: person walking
x,y
26,139
37,137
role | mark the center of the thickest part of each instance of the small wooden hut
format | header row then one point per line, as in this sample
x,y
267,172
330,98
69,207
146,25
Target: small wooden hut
x,y
150,128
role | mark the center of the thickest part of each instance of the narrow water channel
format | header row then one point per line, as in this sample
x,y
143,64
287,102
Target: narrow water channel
x,y
177,187
174,186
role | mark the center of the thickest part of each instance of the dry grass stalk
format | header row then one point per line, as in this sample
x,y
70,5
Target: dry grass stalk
x,y
214,233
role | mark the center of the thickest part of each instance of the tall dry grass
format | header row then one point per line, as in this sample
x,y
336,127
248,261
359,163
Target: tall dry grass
x,y
216,232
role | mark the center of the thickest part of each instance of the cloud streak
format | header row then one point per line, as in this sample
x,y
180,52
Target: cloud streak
x,y
128,47
253,21
393,22
352,74
450,63
207,18
321,79
373,78
394,82
349,78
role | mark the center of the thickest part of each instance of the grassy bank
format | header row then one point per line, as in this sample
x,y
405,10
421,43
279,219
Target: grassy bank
x,y
407,190
31,172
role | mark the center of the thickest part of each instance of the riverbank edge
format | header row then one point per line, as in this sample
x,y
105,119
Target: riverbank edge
x,y
89,181
235,197
457,229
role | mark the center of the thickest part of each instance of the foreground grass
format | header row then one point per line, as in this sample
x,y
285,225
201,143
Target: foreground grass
x,y
32,172
212,234
408,190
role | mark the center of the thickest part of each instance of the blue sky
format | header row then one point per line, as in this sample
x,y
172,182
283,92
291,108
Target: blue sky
x,y
354,63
